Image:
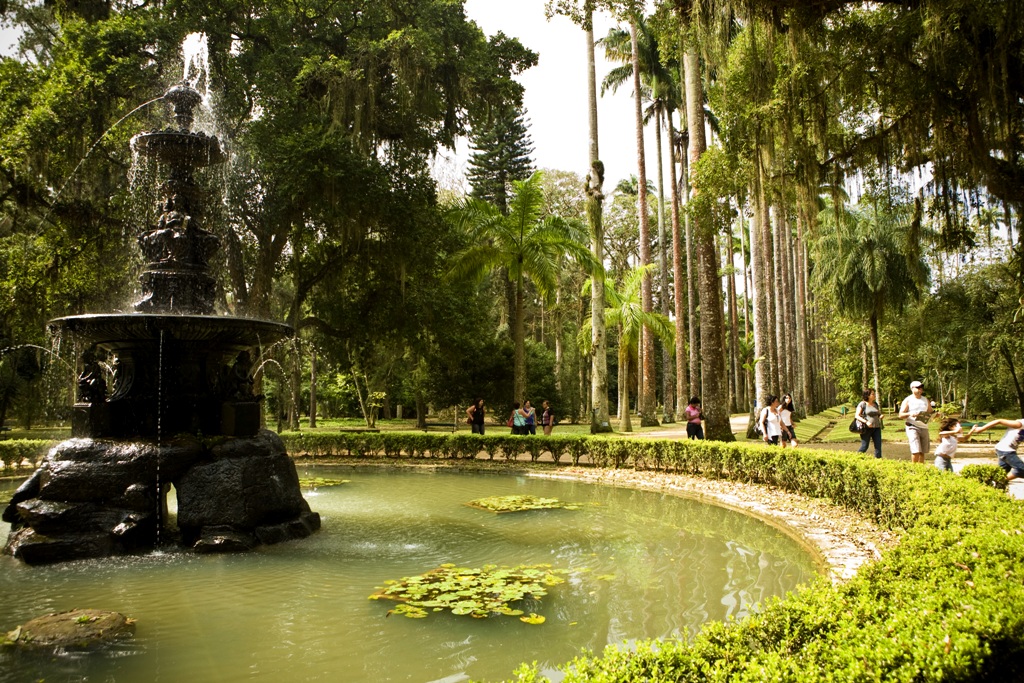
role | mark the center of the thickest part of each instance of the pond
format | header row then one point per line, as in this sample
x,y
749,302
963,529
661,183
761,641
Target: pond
x,y
641,565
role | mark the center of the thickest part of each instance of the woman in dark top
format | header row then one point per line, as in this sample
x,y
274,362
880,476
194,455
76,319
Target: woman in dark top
x,y
476,416
870,416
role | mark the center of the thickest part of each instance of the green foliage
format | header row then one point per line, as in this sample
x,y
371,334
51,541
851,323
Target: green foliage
x,y
939,606
14,452
501,154
989,475
501,504
478,592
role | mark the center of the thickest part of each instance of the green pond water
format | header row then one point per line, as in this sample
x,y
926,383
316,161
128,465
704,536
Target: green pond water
x,y
641,565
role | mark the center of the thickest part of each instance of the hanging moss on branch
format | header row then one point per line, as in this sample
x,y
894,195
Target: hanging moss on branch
x,y
500,504
478,593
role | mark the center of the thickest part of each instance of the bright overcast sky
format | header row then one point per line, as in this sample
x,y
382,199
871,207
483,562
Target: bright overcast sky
x,y
556,94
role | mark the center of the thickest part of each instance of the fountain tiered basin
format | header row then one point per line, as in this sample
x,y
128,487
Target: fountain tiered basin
x,y
165,397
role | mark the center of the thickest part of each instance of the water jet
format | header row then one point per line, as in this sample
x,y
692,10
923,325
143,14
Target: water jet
x,y
180,409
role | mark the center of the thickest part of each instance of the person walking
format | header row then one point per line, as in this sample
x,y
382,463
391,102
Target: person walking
x,y
518,420
870,417
1006,449
787,433
951,433
769,420
475,414
694,419
530,415
547,418
916,410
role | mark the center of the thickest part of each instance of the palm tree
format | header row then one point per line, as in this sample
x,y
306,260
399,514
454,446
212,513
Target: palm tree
x,y
868,259
526,243
625,311
648,398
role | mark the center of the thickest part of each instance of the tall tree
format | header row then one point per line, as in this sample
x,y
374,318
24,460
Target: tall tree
x,y
527,244
868,258
502,151
625,311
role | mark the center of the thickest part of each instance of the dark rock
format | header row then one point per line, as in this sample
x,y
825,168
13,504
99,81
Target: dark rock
x,y
28,490
224,539
32,547
305,525
249,483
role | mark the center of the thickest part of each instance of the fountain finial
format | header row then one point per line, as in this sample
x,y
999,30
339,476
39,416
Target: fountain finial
x,y
184,98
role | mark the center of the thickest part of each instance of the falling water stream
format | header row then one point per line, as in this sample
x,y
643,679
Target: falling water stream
x,y
643,565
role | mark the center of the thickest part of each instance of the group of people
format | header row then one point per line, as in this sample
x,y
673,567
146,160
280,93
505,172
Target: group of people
x,y
523,419
776,421
915,411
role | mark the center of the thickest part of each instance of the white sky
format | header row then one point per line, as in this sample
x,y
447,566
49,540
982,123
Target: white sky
x,y
556,94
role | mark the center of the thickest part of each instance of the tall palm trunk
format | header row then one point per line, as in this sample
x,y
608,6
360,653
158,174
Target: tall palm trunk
x,y
519,339
595,179
715,399
667,376
677,276
647,398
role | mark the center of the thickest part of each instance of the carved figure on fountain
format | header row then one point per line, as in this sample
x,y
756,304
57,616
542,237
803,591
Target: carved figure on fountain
x,y
180,407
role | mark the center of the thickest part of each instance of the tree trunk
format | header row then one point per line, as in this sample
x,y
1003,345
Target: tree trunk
x,y
715,399
599,418
647,370
296,386
312,387
677,278
626,423
1008,357
874,354
691,292
519,337
667,375
734,334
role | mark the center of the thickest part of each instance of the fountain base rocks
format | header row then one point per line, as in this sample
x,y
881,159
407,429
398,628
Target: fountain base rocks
x,y
179,407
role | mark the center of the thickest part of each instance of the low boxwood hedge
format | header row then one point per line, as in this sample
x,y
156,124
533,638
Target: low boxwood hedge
x,y
13,452
945,604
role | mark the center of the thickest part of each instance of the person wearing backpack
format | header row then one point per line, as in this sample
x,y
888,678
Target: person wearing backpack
x,y
768,420
1006,449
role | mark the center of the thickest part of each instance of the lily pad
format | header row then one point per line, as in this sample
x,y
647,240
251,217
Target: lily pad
x,y
479,592
500,504
320,482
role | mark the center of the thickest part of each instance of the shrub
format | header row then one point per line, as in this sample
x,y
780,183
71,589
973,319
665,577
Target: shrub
x,y
13,452
940,606
989,475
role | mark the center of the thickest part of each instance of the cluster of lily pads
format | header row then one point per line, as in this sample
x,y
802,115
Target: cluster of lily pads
x,y
478,592
320,482
501,504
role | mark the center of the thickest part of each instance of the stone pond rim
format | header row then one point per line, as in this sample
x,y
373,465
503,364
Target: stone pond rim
x,y
110,329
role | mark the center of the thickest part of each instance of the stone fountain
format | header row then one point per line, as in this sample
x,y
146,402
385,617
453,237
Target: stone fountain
x,y
179,407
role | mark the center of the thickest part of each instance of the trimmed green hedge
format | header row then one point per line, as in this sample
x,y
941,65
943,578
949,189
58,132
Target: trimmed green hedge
x,y
943,605
14,451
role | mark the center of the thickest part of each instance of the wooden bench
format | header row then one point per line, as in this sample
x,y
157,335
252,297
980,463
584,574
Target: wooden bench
x,y
357,430
438,425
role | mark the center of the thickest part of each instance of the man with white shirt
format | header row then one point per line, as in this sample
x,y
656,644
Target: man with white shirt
x,y
915,411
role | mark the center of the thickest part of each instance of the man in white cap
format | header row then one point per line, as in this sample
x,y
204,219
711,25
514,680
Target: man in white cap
x,y
915,410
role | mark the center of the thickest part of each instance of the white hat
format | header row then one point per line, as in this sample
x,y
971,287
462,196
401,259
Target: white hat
x,y
915,384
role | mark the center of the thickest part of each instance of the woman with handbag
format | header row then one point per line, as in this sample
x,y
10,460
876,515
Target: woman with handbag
x,y
869,418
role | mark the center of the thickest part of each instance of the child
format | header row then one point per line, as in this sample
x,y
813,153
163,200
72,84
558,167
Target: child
x,y
951,433
1006,449
788,434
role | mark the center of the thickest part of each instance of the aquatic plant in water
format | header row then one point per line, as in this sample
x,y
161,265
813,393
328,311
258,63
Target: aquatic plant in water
x,y
319,482
477,592
501,504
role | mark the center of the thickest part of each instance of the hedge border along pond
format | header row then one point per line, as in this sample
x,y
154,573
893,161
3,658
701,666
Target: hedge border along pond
x,y
944,604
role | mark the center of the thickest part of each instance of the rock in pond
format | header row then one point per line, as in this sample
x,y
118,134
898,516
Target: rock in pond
x,y
78,629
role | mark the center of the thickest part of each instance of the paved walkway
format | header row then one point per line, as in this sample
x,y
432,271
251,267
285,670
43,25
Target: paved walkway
x,y
966,453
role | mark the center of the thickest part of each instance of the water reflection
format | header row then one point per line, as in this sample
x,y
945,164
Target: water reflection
x,y
646,565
